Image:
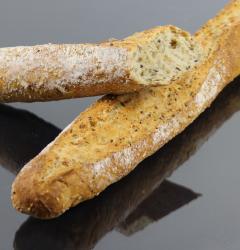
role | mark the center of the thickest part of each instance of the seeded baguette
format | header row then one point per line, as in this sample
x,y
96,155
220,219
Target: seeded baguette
x,y
112,136
84,226
158,56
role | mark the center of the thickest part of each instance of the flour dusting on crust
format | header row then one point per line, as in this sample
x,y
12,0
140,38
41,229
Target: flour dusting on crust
x,y
210,87
165,130
54,66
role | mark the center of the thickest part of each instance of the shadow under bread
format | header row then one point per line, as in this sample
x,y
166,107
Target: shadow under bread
x,y
83,226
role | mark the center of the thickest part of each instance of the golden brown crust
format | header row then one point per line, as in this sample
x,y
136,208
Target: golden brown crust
x,y
111,137
84,226
54,72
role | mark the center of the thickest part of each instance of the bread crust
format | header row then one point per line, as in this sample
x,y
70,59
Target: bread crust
x,y
110,138
87,224
54,72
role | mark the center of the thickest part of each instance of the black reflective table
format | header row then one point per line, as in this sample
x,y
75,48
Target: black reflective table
x,y
185,197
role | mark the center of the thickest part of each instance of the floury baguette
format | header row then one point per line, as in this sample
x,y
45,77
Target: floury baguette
x,y
110,138
158,56
84,226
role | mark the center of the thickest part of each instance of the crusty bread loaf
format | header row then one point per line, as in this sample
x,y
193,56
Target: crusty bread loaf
x,y
84,226
158,56
111,137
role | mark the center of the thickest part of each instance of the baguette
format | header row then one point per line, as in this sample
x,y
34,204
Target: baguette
x,y
84,226
158,56
110,138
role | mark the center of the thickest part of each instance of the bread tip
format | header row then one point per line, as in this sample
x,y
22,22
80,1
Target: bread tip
x,y
27,200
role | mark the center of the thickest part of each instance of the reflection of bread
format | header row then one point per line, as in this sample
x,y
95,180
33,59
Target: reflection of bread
x,y
17,148
164,200
83,226
110,138
47,72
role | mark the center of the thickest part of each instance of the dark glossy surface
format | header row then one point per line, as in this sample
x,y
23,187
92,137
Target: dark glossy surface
x,y
196,208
